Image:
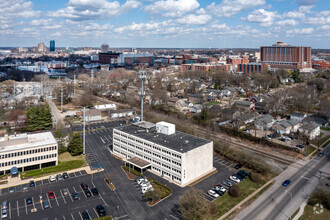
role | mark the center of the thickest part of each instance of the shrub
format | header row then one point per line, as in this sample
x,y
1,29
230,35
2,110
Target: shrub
x,y
131,170
235,191
255,177
320,196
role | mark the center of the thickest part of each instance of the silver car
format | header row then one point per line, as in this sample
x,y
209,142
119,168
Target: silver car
x,y
4,213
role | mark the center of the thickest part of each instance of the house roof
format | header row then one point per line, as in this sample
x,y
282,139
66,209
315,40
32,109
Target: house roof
x,y
284,124
243,103
245,117
92,112
293,122
296,114
309,126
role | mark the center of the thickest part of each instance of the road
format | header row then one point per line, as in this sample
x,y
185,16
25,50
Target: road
x,y
55,112
276,202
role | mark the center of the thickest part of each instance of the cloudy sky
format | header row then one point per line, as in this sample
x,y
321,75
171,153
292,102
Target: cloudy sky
x,y
165,23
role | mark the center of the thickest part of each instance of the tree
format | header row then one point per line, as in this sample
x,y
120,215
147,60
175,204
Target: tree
x,y
235,191
75,146
152,195
59,134
39,117
192,204
255,177
87,98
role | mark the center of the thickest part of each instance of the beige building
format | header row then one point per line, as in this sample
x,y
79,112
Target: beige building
x,y
178,157
27,152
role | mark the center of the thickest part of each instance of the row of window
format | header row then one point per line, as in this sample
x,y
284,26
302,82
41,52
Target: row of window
x,y
27,160
27,152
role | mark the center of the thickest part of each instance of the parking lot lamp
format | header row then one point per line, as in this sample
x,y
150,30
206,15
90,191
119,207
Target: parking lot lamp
x,y
84,150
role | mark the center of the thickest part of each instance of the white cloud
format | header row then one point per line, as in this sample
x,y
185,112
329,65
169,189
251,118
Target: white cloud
x,y
219,26
228,8
94,9
192,19
317,20
287,22
300,31
265,18
172,8
11,9
300,13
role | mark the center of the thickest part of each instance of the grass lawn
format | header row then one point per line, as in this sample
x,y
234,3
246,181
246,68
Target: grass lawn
x,y
66,162
325,128
310,215
309,150
226,202
212,103
104,218
316,152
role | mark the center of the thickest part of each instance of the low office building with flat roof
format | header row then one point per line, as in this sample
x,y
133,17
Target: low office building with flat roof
x,y
27,152
176,156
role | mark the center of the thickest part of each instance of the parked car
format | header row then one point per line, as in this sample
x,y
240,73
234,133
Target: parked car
x,y
286,182
65,175
239,177
88,193
65,192
4,213
52,178
101,210
220,188
32,184
238,166
95,191
141,180
51,194
145,189
59,177
320,154
244,174
29,201
145,183
84,186
234,178
4,205
85,215
300,146
45,204
227,183
213,193
75,196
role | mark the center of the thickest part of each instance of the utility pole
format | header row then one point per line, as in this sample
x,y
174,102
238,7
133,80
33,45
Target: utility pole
x,y
14,92
142,77
84,145
61,99
92,75
74,85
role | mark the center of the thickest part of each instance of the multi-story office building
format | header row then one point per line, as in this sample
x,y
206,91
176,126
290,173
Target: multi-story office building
x,y
176,156
41,47
52,46
283,56
27,152
249,68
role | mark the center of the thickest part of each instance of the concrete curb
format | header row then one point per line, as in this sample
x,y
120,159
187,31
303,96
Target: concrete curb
x,y
301,210
244,200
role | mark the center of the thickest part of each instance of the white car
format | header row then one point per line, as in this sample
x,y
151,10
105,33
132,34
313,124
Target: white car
x,y
145,183
141,180
4,213
213,194
235,179
65,192
52,178
145,189
221,188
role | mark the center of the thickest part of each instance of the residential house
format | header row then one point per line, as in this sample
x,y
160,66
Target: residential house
x,y
181,105
247,118
310,129
229,114
226,93
233,91
282,127
244,106
320,121
121,113
298,116
93,115
264,122
294,125
195,109
214,111
195,98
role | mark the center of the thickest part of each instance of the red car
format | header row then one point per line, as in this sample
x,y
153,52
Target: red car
x,y
51,194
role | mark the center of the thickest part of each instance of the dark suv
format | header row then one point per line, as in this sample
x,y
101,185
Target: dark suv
x,y
101,210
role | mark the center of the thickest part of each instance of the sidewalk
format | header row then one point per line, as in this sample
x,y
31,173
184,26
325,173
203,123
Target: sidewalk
x,y
301,210
18,181
245,200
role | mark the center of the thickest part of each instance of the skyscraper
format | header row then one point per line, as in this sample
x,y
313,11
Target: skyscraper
x,y
41,47
281,55
52,46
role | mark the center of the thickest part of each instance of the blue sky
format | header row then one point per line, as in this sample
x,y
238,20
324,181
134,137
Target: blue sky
x,y
165,23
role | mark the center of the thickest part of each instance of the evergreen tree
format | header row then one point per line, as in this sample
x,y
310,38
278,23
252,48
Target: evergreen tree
x,y
39,118
75,146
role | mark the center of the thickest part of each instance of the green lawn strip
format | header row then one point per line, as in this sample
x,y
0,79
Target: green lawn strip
x,y
325,128
61,167
326,144
309,150
315,153
3,182
226,202
104,218
295,213
310,215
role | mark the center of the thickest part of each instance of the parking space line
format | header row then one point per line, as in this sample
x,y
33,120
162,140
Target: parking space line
x,y
88,213
96,213
75,174
80,173
72,216
80,215
48,200
17,208
9,210
34,206
63,196
74,189
56,199
63,217
26,207
70,195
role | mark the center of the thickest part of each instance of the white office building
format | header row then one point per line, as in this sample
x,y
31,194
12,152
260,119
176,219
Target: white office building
x,y
27,152
178,157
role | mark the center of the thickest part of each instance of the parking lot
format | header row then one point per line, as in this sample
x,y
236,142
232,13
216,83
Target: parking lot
x,y
60,207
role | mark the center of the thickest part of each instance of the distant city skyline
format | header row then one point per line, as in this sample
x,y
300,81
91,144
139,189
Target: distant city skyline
x,y
165,23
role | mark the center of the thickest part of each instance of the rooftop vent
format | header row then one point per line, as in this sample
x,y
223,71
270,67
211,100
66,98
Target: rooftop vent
x,y
186,141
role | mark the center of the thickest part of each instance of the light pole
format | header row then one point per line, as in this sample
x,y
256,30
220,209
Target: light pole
x,y
291,199
84,116
142,77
